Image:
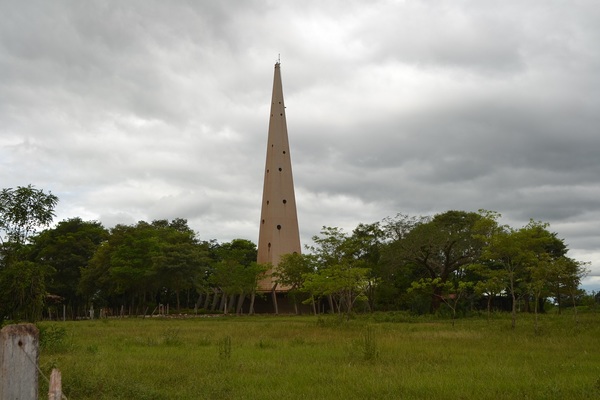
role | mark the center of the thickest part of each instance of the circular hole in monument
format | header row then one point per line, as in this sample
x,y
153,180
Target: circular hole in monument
x,y
281,114
280,168
263,221
278,227
284,152
284,201
269,245
267,202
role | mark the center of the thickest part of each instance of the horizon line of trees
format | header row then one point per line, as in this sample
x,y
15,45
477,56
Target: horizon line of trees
x,y
454,261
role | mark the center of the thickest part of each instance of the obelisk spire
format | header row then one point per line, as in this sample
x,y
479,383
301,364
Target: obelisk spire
x,y
279,233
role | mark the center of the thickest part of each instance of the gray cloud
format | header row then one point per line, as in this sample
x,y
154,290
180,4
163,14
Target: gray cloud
x,y
148,109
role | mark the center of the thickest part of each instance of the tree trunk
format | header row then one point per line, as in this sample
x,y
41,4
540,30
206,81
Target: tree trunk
x,y
231,302
223,303
436,299
215,300
575,315
535,310
558,298
331,307
251,309
206,300
514,311
240,303
198,301
275,306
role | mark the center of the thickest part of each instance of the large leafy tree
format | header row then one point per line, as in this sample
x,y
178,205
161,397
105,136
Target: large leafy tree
x,y
23,210
182,262
291,273
344,283
440,248
147,261
344,265
235,272
523,258
65,250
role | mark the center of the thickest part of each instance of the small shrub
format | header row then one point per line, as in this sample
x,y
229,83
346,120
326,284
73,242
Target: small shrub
x,y
53,338
332,321
265,344
225,348
204,341
369,345
171,337
92,349
298,341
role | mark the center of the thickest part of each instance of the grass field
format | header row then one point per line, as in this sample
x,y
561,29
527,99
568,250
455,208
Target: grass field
x,y
380,356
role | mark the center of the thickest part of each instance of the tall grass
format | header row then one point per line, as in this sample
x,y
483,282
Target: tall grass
x,y
369,357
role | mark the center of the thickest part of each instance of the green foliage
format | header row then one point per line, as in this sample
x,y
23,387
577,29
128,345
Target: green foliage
x,y
343,268
22,291
235,270
368,344
23,210
65,251
464,260
345,284
145,261
439,248
53,338
292,270
22,282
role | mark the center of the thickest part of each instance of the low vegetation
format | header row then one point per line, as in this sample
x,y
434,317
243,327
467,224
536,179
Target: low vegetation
x,y
371,356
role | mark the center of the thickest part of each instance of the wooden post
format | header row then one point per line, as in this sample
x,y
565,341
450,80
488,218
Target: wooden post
x,y
55,389
18,362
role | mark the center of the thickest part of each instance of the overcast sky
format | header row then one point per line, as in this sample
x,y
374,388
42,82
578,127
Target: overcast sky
x,y
143,110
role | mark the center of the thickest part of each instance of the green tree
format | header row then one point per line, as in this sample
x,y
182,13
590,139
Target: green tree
x,y
22,211
236,272
450,292
366,244
292,270
441,247
181,261
65,250
22,283
22,291
524,255
343,273
145,262
343,283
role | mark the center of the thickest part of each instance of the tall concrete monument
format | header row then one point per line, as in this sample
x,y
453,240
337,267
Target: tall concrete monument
x,y
279,233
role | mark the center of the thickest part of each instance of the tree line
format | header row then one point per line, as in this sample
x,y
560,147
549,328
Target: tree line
x,y
452,262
